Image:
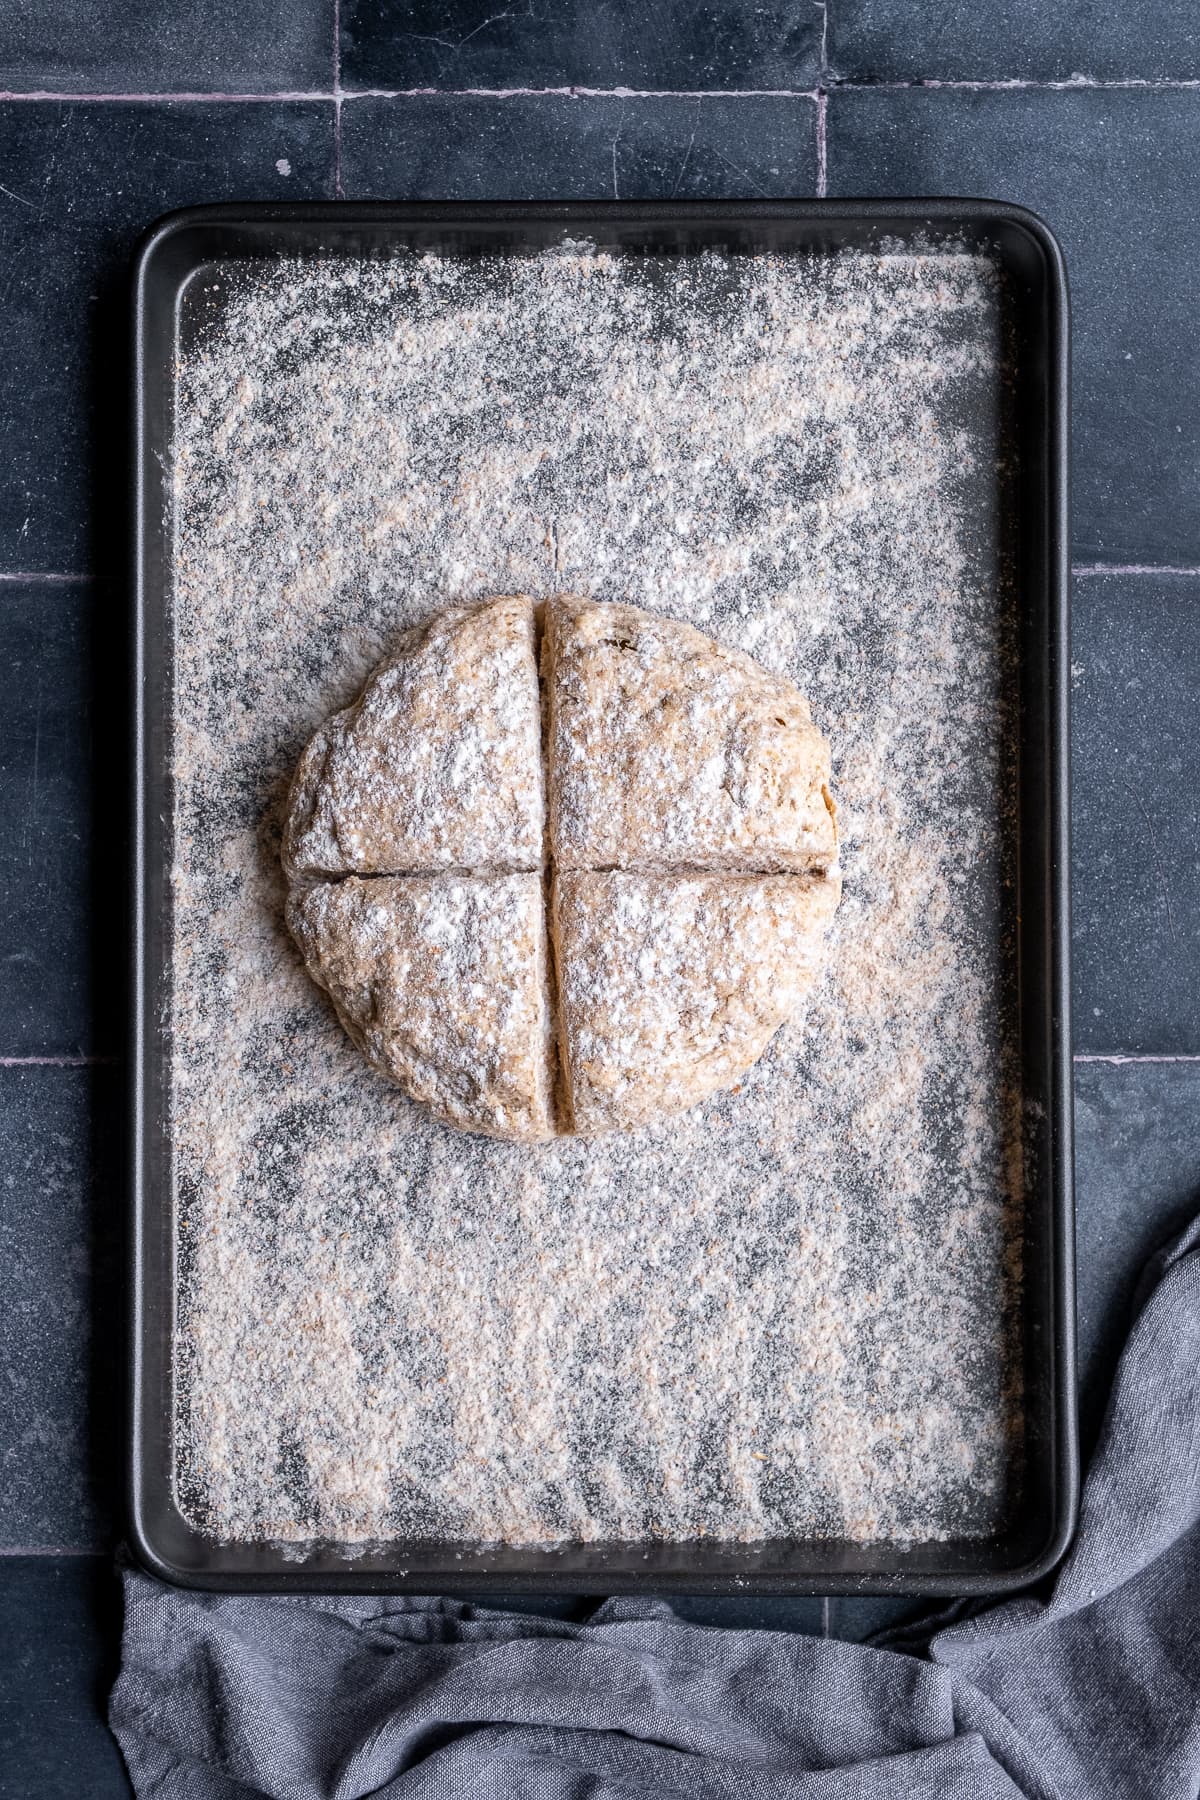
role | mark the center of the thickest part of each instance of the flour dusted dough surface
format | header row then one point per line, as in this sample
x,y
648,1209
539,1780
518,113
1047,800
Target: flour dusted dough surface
x,y
669,750
441,982
673,985
438,763
663,751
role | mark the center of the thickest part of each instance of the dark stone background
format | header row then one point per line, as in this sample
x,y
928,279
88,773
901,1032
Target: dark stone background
x,y
113,111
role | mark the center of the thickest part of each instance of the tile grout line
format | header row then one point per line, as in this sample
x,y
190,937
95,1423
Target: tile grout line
x,y
578,93
1117,1059
49,1550
1082,571
1079,571
822,152
44,94
338,94
1106,1056
822,107
338,194
89,1062
94,1062
58,1062
1019,84
40,575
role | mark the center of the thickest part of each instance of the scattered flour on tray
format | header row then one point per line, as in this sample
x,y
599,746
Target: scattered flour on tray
x,y
795,1310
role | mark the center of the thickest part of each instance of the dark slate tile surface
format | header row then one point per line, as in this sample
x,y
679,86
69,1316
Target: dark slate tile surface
x,y
855,1620
80,184
135,46
577,149
977,40
60,1621
62,797
1136,848
581,43
1115,174
766,1612
60,1326
1137,1183
575,1608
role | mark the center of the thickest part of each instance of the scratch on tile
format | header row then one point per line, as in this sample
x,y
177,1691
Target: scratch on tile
x,y
483,26
1156,858
31,817
687,157
738,170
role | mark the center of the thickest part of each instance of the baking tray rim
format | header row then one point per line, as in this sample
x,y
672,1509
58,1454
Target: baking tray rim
x,y
942,215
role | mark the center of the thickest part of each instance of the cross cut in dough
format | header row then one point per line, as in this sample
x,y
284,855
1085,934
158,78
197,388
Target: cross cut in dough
x,y
580,929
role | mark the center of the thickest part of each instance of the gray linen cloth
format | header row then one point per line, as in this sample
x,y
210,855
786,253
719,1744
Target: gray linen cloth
x,y
1094,1691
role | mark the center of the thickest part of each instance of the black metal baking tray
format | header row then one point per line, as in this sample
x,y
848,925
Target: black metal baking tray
x,y
161,1535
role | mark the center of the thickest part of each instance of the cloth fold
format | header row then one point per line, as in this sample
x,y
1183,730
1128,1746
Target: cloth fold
x,y
1094,1691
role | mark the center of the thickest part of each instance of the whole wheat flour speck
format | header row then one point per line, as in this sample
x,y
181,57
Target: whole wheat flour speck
x,y
795,1309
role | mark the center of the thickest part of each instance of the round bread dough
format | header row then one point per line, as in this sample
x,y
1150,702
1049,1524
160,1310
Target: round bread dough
x,y
567,889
